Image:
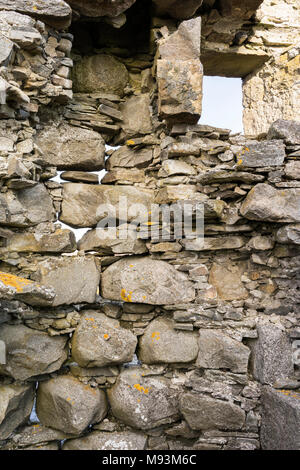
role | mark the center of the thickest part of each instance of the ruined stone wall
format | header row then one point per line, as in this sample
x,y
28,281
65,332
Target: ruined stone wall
x,y
158,341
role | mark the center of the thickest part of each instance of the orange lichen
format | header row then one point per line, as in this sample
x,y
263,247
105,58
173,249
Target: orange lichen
x,y
155,336
106,337
240,161
126,297
10,280
130,142
141,389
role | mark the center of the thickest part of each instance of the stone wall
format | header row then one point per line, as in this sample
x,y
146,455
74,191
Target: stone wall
x,y
160,341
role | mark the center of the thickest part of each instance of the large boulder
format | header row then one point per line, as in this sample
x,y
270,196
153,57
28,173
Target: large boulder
x,y
280,428
124,440
73,279
66,404
99,73
16,288
266,203
71,148
203,413
56,13
16,402
19,208
162,344
271,355
84,205
219,351
289,131
99,341
97,8
176,8
143,402
31,352
146,281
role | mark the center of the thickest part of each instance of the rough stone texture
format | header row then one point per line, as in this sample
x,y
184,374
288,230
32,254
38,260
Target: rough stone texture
x,y
28,352
292,170
136,116
143,402
142,280
68,405
203,413
263,154
15,287
74,280
98,8
162,344
16,402
104,241
289,131
280,420
218,351
61,241
227,280
100,73
125,440
267,203
289,234
99,341
68,147
271,355
127,158
19,208
85,205
56,13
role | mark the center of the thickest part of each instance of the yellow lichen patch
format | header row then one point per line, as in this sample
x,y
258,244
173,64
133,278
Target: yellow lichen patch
x,y
18,283
35,8
141,389
106,337
126,297
155,336
130,142
240,161
247,150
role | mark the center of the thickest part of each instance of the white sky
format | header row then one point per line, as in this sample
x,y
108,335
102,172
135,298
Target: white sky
x,y
222,103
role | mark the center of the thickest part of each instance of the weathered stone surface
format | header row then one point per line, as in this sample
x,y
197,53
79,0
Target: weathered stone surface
x,y
180,90
61,241
85,205
271,354
280,420
33,435
162,344
219,351
96,8
56,13
289,234
6,49
260,154
99,341
69,147
109,241
225,176
143,402
73,279
80,176
100,73
184,44
175,167
31,352
14,287
292,170
125,440
136,116
289,131
146,281
260,243
127,158
16,402
19,208
66,404
204,413
266,203
210,243
226,278
176,8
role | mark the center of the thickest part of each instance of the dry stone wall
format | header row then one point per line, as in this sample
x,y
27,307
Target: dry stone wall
x,y
157,341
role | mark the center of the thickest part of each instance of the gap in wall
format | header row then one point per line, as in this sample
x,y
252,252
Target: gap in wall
x,y
223,103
